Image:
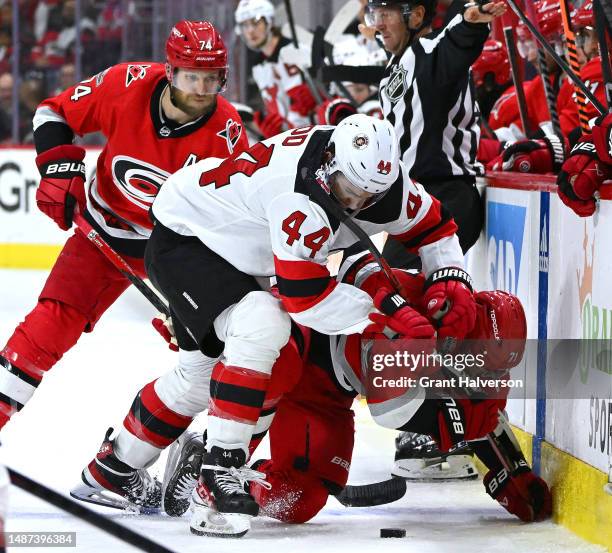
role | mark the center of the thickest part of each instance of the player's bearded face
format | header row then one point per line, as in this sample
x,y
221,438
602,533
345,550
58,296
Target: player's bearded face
x,y
194,91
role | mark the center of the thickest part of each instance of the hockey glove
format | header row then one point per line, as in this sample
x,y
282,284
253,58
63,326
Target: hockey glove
x,y
531,156
331,112
521,493
164,326
404,321
602,138
449,299
581,176
461,420
62,185
302,100
270,125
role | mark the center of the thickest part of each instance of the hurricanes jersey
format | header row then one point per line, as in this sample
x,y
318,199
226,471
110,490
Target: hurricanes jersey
x,y
143,147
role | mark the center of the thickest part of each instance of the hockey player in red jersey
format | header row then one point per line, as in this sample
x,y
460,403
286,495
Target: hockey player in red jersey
x,y
288,102
587,167
311,427
157,118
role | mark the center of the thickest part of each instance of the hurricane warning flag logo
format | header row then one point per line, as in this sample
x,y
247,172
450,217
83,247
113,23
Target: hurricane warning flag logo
x,y
135,72
231,133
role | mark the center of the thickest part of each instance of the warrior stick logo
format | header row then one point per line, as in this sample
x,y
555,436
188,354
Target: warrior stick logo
x,y
138,181
231,133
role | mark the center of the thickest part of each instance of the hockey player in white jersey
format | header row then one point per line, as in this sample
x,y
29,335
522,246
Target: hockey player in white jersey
x,y
222,223
288,102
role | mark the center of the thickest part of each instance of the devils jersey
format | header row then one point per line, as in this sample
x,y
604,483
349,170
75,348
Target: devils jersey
x,y
143,147
262,211
274,78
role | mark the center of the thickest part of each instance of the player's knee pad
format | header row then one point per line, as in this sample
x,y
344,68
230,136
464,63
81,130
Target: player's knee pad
x,y
254,331
294,497
186,389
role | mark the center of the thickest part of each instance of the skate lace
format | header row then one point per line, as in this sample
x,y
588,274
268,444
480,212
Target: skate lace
x,y
185,486
141,486
232,480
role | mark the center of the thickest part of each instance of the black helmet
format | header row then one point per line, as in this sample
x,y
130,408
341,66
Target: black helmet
x,y
406,7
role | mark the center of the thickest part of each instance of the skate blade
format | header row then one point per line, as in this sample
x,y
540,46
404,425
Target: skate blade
x,y
85,493
455,467
208,522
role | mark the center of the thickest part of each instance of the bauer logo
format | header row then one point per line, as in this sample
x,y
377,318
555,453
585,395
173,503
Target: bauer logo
x,y
505,231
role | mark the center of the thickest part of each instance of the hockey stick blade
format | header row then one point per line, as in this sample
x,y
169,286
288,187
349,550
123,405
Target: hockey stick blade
x,y
343,18
370,495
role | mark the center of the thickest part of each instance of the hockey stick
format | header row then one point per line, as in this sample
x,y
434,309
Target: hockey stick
x,y
91,517
575,79
94,237
545,76
602,27
570,41
370,495
517,79
315,91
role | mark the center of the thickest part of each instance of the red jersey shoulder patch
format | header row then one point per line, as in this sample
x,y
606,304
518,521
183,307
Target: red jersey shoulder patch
x,y
231,133
135,72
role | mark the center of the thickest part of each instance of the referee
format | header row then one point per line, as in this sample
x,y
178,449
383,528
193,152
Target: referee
x,y
427,95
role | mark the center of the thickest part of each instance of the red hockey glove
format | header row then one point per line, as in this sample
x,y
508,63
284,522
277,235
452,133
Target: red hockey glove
x,y
302,100
397,315
62,185
581,176
163,325
531,156
331,112
602,138
449,299
521,493
465,419
270,125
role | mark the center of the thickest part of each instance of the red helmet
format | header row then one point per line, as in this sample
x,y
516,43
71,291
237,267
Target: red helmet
x,y
583,17
500,329
196,45
550,23
494,59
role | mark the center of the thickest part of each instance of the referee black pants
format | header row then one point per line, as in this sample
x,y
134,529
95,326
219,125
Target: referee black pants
x,y
461,198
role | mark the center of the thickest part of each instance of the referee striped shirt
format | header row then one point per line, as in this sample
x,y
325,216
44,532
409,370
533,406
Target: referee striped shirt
x,y
427,95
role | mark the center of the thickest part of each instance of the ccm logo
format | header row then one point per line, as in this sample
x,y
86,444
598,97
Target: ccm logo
x,y
65,168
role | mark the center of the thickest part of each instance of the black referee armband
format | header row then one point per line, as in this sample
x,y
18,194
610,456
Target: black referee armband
x,y
449,273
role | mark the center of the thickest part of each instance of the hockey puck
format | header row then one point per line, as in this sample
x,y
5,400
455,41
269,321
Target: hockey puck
x,y
392,533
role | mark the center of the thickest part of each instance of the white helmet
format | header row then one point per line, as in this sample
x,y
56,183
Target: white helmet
x,y
357,51
366,152
254,9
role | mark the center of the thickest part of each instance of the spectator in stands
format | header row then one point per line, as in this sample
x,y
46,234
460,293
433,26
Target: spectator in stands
x,y
6,107
56,47
66,77
6,48
31,93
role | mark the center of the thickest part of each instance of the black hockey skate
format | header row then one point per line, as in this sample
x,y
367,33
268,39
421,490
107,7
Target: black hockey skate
x,y
182,473
417,457
109,482
220,506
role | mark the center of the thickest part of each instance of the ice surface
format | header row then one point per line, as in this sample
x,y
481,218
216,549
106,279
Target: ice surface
x,y
92,388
